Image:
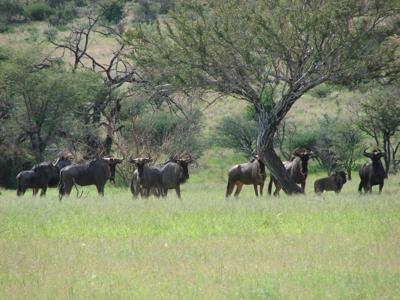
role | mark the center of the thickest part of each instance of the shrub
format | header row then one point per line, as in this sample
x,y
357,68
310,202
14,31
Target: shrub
x,y
323,90
5,28
9,9
114,12
38,11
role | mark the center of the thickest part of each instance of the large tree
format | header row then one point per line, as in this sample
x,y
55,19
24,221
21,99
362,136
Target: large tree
x,y
268,53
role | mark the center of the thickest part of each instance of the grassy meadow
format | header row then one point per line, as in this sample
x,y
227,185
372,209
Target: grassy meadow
x,y
206,246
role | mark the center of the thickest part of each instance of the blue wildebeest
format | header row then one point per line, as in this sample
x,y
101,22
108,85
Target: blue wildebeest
x,y
146,178
252,172
297,167
95,172
41,176
174,173
372,173
334,183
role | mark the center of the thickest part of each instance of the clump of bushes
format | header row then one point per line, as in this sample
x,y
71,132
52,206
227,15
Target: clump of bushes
x,y
323,90
39,11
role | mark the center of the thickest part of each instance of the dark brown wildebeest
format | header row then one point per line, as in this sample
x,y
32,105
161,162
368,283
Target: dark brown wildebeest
x,y
95,172
334,183
297,167
146,178
252,172
41,176
174,173
372,173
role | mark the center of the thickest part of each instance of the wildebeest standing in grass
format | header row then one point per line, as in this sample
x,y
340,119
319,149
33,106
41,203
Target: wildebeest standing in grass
x,y
334,183
95,172
252,172
297,167
41,176
174,173
372,173
146,178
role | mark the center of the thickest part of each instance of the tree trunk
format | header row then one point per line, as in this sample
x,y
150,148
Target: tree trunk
x,y
267,130
275,166
387,148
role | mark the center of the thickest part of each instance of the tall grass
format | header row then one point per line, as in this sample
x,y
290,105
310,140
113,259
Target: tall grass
x,y
205,246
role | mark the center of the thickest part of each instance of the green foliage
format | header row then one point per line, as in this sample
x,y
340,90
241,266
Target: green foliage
x,y
304,139
114,11
323,90
44,103
236,133
10,9
147,11
38,11
5,28
161,132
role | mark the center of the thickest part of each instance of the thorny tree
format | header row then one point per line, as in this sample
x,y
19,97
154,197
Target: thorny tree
x,y
116,71
269,53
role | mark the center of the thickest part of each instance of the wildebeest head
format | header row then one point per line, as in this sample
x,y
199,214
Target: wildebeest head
x,y
183,163
375,156
112,162
140,163
261,163
340,177
62,162
304,156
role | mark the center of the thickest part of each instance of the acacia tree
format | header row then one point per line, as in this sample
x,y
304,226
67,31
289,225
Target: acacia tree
x,y
379,117
268,53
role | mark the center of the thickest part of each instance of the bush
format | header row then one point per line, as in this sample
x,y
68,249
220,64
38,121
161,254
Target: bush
x,y
10,9
38,11
114,12
323,90
5,28
307,139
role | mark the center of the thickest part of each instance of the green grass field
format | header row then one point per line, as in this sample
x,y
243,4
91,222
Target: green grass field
x,y
306,247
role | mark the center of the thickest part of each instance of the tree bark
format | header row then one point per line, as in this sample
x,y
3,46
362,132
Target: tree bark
x,y
267,129
275,166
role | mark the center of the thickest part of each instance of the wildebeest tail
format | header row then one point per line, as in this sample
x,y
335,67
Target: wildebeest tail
x,y
229,188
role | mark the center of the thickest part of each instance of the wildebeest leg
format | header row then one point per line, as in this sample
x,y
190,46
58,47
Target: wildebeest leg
x,y
100,189
360,186
380,187
229,188
43,192
303,186
261,188
35,191
255,189
239,186
178,191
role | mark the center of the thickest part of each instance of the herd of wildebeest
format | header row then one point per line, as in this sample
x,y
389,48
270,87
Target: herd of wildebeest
x,y
157,180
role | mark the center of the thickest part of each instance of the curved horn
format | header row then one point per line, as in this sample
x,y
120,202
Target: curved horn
x,y
365,153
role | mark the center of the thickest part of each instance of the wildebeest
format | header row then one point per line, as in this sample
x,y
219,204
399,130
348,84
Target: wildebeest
x,y
297,167
41,176
372,173
174,173
252,172
146,178
334,183
95,172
